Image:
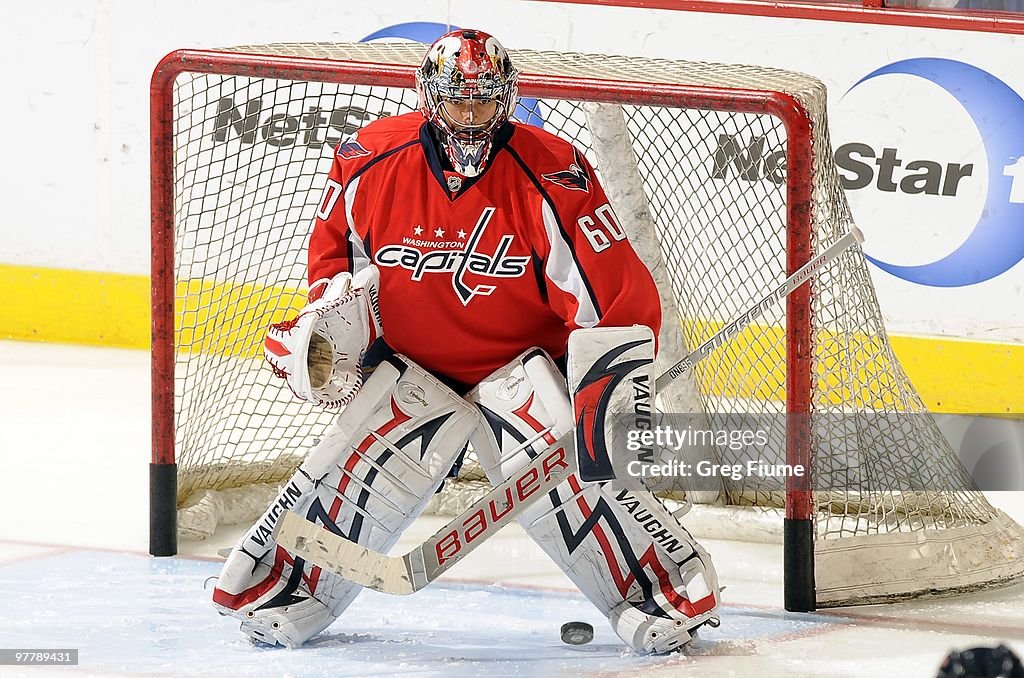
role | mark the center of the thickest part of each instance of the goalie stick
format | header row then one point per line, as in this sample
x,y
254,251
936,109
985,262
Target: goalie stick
x,y
411,572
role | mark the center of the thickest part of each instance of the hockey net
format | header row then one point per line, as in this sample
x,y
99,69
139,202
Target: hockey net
x,y
720,198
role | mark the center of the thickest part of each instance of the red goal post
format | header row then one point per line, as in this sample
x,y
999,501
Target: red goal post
x,y
790,363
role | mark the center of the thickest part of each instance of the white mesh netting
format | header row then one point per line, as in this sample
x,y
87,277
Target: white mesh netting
x,y
703,193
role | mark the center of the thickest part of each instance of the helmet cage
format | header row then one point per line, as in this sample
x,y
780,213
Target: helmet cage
x,y
484,72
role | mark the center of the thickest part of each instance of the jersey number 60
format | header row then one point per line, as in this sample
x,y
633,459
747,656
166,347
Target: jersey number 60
x,y
598,235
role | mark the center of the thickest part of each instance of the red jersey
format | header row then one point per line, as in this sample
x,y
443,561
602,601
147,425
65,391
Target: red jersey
x,y
474,271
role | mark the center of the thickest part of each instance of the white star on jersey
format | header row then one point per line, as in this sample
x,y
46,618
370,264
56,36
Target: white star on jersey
x,y
462,234
418,230
439,233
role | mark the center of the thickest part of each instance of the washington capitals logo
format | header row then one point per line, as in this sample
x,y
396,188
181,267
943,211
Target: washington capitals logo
x,y
349,149
459,262
590,405
576,178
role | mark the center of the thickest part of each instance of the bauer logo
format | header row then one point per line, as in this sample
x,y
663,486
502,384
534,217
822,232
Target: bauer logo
x,y
930,152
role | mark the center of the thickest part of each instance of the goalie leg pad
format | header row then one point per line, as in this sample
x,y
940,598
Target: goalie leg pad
x,y
367,479
611,375
623,549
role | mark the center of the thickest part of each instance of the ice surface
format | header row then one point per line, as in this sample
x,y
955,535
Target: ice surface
x,y
74,451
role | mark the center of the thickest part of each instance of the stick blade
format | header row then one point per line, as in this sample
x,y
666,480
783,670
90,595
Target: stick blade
x,y
344,558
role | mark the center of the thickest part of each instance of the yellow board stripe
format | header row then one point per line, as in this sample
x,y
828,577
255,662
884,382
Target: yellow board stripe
x,y
74,307
112,309
229,319
964,376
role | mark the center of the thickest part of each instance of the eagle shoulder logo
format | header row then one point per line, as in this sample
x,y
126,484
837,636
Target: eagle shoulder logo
x,y
350,148
576,178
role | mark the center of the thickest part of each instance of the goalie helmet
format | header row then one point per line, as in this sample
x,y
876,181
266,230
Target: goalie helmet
x,y
467,90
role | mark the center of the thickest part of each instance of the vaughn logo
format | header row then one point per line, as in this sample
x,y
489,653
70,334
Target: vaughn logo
x,y
459,262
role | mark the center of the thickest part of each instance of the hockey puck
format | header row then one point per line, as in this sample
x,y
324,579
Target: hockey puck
x,y
577,633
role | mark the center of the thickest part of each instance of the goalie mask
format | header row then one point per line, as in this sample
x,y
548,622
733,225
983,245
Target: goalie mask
x,y
467,90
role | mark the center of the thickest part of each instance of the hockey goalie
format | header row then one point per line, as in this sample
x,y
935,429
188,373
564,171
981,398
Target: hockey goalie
x,y
453,254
